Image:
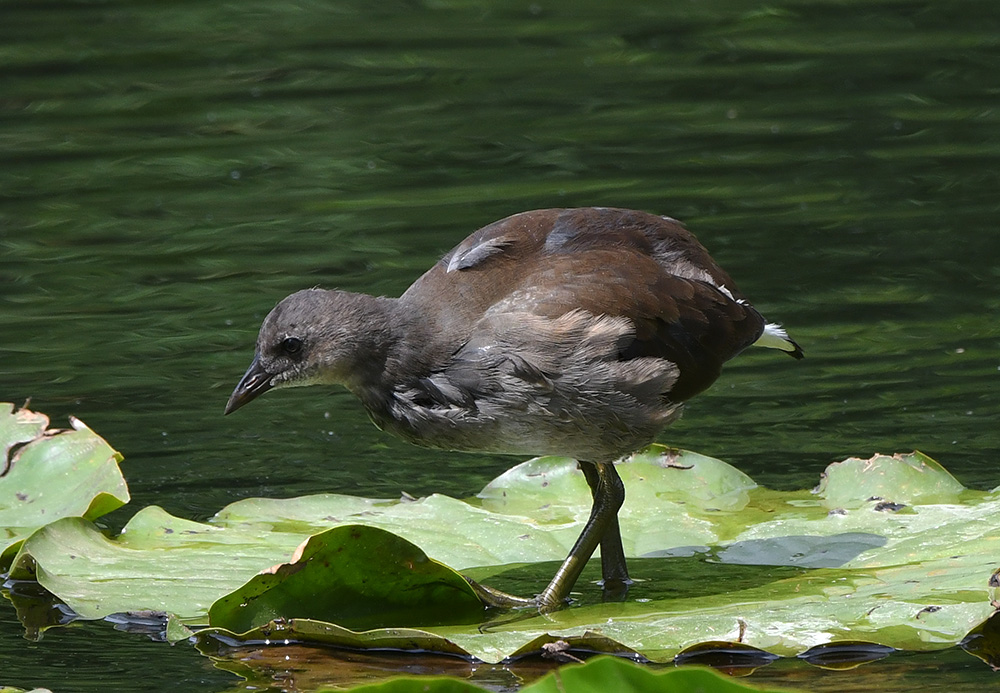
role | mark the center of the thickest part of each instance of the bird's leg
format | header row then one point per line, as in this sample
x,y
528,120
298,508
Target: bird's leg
x,y
614,569
609,494
601,528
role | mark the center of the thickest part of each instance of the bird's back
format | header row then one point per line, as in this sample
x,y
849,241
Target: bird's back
x,y
614,262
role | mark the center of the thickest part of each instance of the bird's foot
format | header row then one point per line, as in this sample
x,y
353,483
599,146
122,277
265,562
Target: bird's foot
x,y
615,590
498,599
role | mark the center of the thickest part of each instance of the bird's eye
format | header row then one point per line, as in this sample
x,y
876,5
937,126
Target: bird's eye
x,y
291,345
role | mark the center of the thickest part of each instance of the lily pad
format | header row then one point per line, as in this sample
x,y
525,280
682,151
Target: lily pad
x,y
354,576
896,480
51,474
675,498
728,562
17,427
158,563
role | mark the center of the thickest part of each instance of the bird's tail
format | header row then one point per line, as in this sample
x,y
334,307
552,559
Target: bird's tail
x,y
775,337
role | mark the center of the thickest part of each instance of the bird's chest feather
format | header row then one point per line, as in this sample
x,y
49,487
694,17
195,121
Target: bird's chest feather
x,y
525,384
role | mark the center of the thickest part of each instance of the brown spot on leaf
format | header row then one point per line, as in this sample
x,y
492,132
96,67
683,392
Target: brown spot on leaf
x,y
743,630
668,460
299,551
559,651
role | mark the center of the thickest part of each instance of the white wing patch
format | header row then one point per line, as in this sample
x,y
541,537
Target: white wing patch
x,y
775,337
464,258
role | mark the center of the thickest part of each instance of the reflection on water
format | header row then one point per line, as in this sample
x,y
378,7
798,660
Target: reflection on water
x,y
170,172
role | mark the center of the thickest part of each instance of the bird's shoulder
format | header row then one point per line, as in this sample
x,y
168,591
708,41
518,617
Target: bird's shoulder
x,y
603,260
649,270
571,235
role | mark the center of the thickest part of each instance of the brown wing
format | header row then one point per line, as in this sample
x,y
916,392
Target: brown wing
x,y
605,261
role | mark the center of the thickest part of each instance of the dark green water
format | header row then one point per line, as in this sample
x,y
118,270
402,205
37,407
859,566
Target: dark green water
x,y
168,171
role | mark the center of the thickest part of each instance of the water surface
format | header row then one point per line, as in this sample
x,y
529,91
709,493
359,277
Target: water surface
x,y
169,171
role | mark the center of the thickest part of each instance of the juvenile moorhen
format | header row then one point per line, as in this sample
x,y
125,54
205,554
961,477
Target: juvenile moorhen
x,y
574,332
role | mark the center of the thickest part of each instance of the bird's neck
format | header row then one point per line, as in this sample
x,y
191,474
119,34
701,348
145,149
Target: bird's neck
x,y
392,341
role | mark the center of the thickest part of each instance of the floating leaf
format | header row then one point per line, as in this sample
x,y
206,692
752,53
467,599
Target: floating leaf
x,y
675,498
52,474
781,572
898,480
17,427
158,563
354,576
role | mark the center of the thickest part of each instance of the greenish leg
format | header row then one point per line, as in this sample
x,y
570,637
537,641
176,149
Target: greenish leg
x,y
614,570
601,528
609,495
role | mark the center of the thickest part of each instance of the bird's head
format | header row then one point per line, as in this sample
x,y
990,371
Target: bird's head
x,y
311,337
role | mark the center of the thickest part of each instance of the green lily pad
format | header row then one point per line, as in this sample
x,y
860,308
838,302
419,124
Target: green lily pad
x,y
49,474
897,480
18,427
675,498
357,577
727,561
158,563
534,512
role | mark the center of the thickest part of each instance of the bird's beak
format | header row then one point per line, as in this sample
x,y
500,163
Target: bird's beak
x,y
255,382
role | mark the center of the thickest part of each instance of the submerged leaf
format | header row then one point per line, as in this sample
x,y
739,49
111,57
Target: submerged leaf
x,y
420,684
598,675
321,633
608,674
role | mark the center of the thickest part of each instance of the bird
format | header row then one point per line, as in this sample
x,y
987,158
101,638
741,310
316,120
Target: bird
x,y
576,332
